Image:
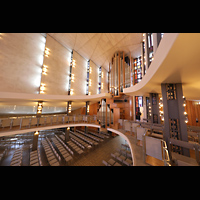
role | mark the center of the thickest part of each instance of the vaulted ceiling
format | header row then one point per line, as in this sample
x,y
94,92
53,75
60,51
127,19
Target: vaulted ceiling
x,y
100,47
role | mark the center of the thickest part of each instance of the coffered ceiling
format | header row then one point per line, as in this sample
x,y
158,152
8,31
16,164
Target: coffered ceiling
x,y
100,47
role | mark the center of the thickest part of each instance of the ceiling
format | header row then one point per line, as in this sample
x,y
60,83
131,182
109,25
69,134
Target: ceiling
x,y
100,47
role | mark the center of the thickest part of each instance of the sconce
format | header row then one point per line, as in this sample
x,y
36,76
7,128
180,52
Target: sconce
x,y
73,63
72,78
70,108
161,109
101,85
71,91
46,52
39,107
44,70
185,113
42,88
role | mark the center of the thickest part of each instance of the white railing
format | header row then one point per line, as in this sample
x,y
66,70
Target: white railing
x,y
31,122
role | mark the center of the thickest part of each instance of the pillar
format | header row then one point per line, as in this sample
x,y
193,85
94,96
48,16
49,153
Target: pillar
x,y
154,103
35,141
174,118
67,134
86,113
69,107
86,108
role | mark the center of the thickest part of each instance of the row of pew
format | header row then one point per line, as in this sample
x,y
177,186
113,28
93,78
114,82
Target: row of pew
x,y
17,157
122,157
35,158
51,154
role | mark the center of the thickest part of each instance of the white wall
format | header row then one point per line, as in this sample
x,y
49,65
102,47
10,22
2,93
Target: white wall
x,y
58,63
94,76
21,58
104,80
80,75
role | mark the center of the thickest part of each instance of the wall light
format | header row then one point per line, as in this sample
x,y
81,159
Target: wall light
x,y
36,133
71,91
72,78
90,82
42,88
46,52
70,108
73,63
101,85
39,107
44,69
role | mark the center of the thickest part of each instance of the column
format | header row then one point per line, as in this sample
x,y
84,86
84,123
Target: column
x,y
87,113
39,109
35,141
67,134
154,103
174,118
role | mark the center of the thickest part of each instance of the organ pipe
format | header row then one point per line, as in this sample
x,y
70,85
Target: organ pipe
x,y
119,74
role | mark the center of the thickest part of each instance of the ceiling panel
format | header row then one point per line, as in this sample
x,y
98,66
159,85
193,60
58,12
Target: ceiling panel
x,y
100,47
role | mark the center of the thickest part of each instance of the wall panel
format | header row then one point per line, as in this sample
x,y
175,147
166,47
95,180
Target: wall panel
x,y
193,110
21,58
58,65
104,80
94,77
80,75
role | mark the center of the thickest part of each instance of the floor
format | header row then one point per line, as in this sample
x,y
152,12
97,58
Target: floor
x,y
92,158
95,157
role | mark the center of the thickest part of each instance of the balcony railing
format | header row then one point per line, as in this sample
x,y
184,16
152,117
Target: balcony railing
x,y
8,124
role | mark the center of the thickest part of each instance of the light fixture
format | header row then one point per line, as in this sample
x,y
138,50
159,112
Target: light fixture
x,y
90,70
44,69
36,133
71,91
90,82
88,109
101,85
46,52
185,113
73,63
42,88
72,78
70,108
39,107
161,109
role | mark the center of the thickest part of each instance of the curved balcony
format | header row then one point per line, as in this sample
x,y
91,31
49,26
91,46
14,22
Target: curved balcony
x,y
176,61
24,125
